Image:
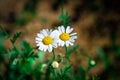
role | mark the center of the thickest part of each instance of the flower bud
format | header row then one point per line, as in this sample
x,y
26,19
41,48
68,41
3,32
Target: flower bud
x,y
92,62
55,64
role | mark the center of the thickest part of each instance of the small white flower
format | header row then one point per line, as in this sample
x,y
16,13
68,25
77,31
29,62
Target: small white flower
x,y
55,64
46,40
65,36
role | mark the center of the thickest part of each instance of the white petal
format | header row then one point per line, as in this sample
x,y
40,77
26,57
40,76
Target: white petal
x,y
62,29
55,43
74,37
54,33
40,44
40,48
73,34
50,48
44,32
59,29
45,48
48,32
61,43
71,44
67,43
72,40
68,29
40,36
38,39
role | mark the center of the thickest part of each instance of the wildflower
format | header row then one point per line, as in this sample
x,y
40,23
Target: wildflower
x,y
55,64
65,36
46,40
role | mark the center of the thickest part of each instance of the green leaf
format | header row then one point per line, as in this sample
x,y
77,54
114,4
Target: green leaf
x,y
64,17
3,50
14,53
31,61
65,72
33,55
66,69
26,49
3,33
26,67
15,37
48,72
80,74
56,75
104,57
37,72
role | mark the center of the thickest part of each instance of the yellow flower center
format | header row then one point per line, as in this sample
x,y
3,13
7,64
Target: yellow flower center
x,y
64,36
47,40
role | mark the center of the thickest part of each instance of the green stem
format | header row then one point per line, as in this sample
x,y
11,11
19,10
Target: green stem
x,y
53,54
66,51
63,14
48,69
55,73
47,74
62,7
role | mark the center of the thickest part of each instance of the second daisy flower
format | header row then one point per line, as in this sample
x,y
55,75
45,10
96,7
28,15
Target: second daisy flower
x,y
65,36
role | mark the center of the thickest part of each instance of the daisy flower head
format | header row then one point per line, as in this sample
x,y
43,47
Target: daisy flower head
x,y
65,36
46,40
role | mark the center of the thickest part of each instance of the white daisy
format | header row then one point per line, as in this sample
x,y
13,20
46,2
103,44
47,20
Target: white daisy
x,y
65,36
46,40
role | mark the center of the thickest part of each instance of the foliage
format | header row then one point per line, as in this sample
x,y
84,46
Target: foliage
x,y
23,63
